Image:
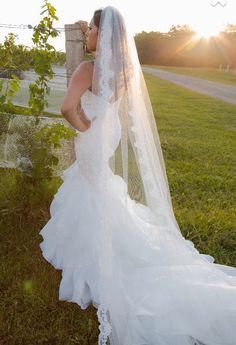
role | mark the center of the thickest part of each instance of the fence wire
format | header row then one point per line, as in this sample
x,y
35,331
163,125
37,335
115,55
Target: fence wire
x,y
15,152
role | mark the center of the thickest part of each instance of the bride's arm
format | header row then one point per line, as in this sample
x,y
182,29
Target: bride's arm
x,y
80,81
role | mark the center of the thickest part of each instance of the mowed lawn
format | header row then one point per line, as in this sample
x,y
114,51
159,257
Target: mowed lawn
x,y
198,137
213,74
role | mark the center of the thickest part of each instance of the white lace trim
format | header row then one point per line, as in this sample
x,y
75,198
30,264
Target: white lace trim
x,y
105,59
105,324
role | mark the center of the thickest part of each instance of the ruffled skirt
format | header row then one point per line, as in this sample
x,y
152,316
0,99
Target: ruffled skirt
x,y
163,291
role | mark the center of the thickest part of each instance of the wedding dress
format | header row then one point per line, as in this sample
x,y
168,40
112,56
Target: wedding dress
x,y
171,291
149,284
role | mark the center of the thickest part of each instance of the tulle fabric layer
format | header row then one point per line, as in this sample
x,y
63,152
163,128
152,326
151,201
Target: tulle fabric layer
x,y
162,292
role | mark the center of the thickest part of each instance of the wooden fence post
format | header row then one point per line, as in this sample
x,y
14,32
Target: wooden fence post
x,y
74,55
74,48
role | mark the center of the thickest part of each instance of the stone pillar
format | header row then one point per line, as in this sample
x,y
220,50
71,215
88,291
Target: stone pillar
x,y
74,55
74,48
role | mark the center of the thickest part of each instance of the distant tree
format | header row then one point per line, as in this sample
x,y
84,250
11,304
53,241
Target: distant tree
x,y
180,47
230,28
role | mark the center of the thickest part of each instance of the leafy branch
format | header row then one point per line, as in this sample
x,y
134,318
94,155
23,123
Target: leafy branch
x,y
44,57
12,83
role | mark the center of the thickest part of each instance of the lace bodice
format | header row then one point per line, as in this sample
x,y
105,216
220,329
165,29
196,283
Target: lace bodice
x,y
92,149
91,104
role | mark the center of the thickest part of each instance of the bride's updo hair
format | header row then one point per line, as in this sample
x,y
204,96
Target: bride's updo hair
x,y
96,17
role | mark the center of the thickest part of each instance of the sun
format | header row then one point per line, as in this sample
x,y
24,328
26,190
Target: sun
x,y
207,31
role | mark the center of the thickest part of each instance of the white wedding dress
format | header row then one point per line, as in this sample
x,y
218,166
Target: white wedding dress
x,y
173,295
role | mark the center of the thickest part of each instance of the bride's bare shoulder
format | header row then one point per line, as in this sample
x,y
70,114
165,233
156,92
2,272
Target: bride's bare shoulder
x,y
83,72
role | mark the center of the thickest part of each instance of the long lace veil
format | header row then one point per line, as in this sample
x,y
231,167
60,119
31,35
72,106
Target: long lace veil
x,y
119,83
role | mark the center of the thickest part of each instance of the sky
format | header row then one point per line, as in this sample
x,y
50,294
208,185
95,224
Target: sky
x,y
149,15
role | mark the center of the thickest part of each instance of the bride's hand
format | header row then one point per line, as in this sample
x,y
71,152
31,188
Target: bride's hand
x,y
84,118
83,25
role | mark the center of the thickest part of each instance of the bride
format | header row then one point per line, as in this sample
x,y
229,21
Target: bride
x,y
112,230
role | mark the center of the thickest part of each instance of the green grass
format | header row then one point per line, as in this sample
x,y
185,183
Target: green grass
x,y
212,74
198,138
199,146
20,110
30,310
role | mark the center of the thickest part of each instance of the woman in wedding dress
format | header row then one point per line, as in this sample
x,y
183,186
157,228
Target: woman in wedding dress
x,y
128,258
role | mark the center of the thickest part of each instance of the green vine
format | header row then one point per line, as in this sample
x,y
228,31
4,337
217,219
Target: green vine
x,y
44,57
36,143
11,86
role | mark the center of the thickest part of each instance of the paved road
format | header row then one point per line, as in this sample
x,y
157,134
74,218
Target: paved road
x,y
224,92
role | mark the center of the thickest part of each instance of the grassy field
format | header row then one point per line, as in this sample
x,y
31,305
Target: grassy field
x,y
199,145
212,74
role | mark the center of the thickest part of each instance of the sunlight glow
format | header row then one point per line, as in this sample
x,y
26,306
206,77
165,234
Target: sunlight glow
x,y
207,30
